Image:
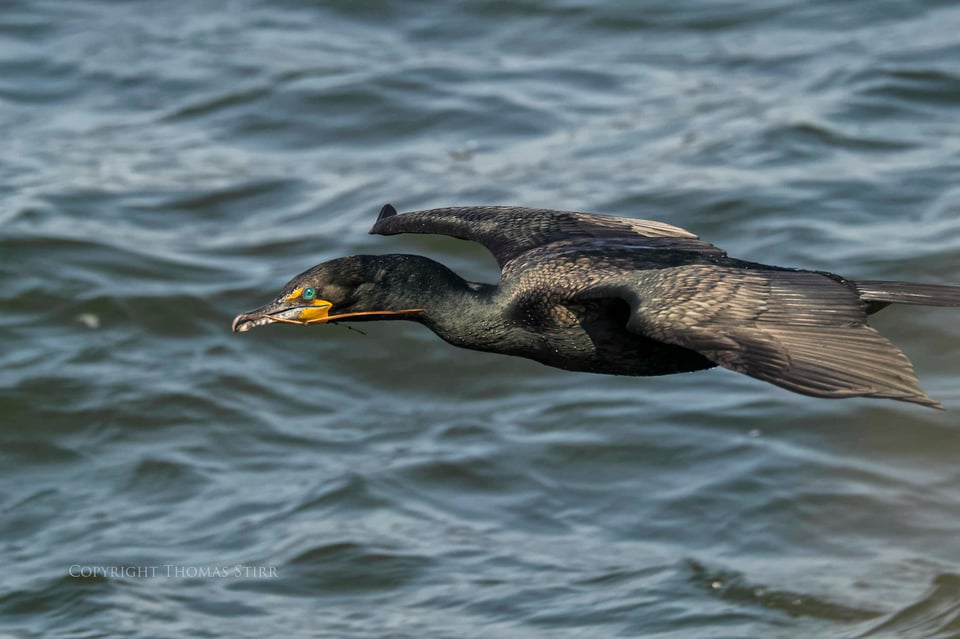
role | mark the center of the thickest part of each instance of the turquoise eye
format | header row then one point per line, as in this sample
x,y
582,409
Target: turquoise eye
x,y
308,294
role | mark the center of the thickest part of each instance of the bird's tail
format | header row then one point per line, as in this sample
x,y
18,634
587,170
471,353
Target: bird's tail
x,y
878,293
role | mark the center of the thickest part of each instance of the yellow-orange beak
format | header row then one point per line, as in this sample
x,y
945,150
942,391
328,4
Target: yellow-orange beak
x,y
289,309
293,309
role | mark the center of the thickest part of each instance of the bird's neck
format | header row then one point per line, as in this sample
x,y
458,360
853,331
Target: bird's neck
x,y
453,308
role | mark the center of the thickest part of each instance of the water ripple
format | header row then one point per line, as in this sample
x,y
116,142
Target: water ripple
x,y
166,167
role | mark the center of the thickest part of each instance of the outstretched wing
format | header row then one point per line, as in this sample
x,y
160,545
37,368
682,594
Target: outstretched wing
x,y
509,231
800,330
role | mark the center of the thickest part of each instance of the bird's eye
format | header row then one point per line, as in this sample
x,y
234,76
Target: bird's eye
x,y
308,294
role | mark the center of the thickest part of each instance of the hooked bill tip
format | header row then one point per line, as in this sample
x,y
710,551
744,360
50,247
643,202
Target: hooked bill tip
x,y
239,324
244,322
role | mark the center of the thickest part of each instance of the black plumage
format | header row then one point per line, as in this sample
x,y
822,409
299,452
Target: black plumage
x,y
620,296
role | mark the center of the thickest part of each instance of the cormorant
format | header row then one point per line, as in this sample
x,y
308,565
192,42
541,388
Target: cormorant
x,y
619,296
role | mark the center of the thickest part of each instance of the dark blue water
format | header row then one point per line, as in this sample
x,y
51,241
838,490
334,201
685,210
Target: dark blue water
x,y
167,165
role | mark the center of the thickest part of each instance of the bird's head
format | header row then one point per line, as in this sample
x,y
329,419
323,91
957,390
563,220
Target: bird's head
x,y
355,287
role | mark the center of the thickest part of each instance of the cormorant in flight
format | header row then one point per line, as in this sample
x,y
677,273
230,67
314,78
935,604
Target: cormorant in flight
x,y
619,296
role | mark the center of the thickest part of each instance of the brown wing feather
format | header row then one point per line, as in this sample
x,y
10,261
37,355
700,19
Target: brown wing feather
x,y
509,231
800,330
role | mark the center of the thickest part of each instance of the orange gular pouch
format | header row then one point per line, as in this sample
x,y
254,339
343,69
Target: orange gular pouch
x,y
311,309
316,311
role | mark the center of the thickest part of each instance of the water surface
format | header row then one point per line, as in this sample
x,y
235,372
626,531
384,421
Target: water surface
x,y
166,166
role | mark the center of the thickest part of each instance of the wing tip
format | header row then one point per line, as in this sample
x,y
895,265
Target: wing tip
x,y
923,400
917,396
386,212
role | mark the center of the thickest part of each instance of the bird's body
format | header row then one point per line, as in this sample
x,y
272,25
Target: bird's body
x,y
620,296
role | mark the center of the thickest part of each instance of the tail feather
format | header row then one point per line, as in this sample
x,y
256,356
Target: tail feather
x,y
878,293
